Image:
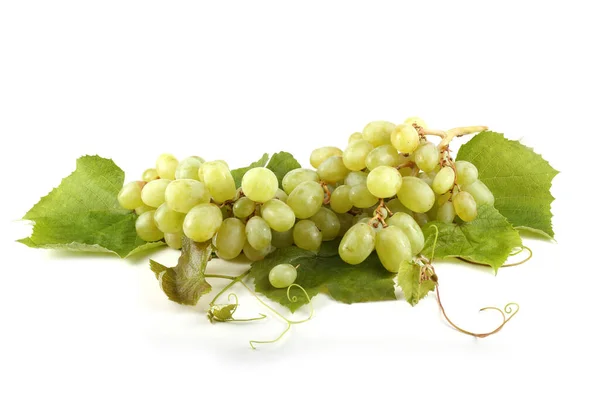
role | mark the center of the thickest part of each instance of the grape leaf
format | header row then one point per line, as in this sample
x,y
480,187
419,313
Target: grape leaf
x,y
519,178
488,239
325,272
83,214
185,282
281,163
238,173
409,279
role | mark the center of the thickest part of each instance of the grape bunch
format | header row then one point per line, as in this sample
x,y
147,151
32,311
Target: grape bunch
x,y
376,195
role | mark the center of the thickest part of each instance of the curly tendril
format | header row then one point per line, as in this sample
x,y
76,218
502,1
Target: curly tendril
x,y
512,254
224,312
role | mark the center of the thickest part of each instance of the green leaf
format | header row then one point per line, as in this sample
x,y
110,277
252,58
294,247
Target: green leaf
x,y
281,163
489,239
185,282
409,279
325,272
238,174
83,214
519,178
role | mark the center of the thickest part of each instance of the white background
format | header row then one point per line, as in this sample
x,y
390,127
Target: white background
x,y
129,80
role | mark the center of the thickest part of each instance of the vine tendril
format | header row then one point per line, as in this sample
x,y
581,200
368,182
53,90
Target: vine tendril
x,y
514,253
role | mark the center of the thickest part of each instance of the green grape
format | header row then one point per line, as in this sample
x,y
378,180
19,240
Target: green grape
x,y
393,247
466,173
415,120
361,197
346,222
465,206
255,255
446,213
356,136
383,155
167,220
307,236
396,206
411,229
296,177
282,275
260,184
306,199
144,208
282,239
153,193
328,223
333,170
427,177
149,175
416,195
319,155
443,181
183,194
146,227
421,218
359,217
355,155
130,196
427,156
406,171
173,240
231,238
405,138
357,244
340,199
278,215
202,222
243,208
258,233
384,182
355,178
219,181
166,165
378,132
480,192
188,168
281,195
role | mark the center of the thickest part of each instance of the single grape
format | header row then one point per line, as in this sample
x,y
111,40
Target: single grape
x,y
188,168
167,220
357,244
144,208
306,199
307,236
202,222
256,255
356,136
173,240
166,165
361,197
130,196
355,155
219,181
355,178
321,154
421,218
183,194
260,184
480,192
384,182
340,199
333,170
282,239
416,195
411,229
405,138
427,177
231,238
296,177
346,222
415,120
328,223
258,233
466,173
383,155
146,228
149,175
446,213
282,275
359,217
378,132
278,215
393,247
427,156
465,206
396,206
243,208
281,195
443,181
153,193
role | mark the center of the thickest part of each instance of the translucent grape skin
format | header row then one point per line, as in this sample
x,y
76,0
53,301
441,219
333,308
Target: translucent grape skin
x,y
393,247
166,165
153,193
378,132
243,207
383,155
183,194
143,208
306,199
328,223
416,120
446,213
283,275
258,233
282,239
149,175
356,136
416,195
130,196
202,222
173,240
384,182
411,229
340,199
281,195
167,220
355,178
231,238
465,206
260,184
333,170
219,181
480,192
427,157
466,173
146,227
355,155
357,244
307,236
296,177
323,153
255,255
443,181
405,138
278,215
188,168
396,206
361,197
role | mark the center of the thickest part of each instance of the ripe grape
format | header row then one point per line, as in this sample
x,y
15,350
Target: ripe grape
x,y
443,181
384,181
166,165
321,154
378,132
306,199
282,275
146,228
143,208
346,222
356,136
219,181
183,194
256,255
466,173
421,218
357,244
480,192
340,199
260,184
149,175
130,196
427,156
188,168
202,222
333,170
243,208
361,197
231,238
383,155
416,195
328,223
405,138
153,193
446,213
282,239
465,206
278,215
173,240
415,120
281,195
167,220
296,177
258,233
355,155
307,236
355,178
393,247
396,206
411,229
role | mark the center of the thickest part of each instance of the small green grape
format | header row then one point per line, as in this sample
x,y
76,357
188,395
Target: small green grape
x,y
307,236
130,197
260,184
283,275
405,138
166,165
321,154
146,228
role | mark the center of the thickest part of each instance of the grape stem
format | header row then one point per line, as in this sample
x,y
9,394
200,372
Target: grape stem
x,y
234,280
327,198
447,136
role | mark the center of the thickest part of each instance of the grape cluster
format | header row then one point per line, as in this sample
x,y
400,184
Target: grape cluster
x,y
376,194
